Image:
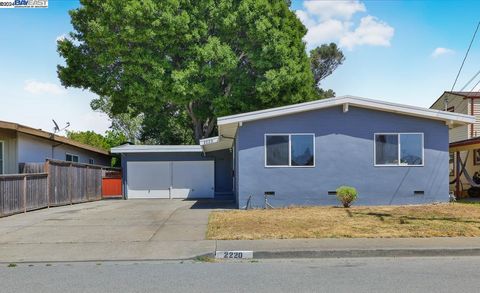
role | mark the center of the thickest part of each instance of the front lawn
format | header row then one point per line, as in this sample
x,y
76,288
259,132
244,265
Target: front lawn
x,y
440,220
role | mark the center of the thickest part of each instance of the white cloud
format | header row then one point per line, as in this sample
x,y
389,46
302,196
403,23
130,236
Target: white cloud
x,y
326,31
37,87
331,21
371,31
441,51
334,9
305,19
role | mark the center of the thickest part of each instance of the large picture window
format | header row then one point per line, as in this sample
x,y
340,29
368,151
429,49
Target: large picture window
x,y
289,150
399,149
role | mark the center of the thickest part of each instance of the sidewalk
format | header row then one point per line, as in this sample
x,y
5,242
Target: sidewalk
x,y
262,249
355,247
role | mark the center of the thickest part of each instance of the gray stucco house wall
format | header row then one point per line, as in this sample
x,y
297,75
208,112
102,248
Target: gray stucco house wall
x,y
344,155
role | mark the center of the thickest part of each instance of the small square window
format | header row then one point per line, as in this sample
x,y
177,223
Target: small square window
x,y
71,158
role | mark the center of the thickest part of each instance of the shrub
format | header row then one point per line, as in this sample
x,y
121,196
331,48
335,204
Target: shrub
x,y
346,194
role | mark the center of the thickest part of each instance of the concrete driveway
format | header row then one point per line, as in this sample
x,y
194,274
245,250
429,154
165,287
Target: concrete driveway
x,y
109,230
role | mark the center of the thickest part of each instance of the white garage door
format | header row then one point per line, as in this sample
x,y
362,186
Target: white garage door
x,y
172,179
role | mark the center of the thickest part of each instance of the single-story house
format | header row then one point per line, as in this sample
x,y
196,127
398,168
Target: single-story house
x,y
22,144
392,154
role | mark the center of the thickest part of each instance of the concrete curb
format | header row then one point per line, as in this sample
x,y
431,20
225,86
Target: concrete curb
x,y
366,253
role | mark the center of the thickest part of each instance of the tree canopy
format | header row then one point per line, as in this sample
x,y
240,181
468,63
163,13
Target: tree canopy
x,y
107,141
324,60
185,62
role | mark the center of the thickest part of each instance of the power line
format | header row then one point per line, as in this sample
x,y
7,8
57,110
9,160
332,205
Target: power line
x,y
471,79
478,82
465,58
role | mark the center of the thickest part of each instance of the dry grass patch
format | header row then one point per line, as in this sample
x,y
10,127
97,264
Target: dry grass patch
x,y
440,220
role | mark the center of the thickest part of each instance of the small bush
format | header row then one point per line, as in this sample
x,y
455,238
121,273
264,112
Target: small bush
x,y
347,195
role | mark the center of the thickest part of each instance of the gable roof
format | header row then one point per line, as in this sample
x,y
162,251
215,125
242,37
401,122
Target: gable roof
x,y
351,100
465,94
50,136
227,125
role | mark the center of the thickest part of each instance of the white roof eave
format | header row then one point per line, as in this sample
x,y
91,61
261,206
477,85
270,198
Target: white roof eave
x,y
125,149
449,117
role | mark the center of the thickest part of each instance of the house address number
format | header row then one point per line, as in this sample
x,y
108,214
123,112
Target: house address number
x,y
234,254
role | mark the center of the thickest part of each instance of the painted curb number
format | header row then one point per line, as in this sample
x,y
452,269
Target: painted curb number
x,y
234,254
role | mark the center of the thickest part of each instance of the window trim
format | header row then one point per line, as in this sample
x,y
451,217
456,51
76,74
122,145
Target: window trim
x,y
72,155
399,149
91,161
2,149
289,150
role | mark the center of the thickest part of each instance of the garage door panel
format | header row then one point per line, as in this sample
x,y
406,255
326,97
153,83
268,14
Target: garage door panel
x,y
148,179
175,179
149,193
193,179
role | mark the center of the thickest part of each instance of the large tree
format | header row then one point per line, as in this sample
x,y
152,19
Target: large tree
x,y
203,58
324,60
129,123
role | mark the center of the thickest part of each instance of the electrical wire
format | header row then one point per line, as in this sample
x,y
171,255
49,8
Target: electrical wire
x,y
465,58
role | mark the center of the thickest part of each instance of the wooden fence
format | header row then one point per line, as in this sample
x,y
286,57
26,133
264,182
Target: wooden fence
x,y
60,183
23,192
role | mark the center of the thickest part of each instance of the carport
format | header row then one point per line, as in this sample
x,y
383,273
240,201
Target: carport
x,y
182,171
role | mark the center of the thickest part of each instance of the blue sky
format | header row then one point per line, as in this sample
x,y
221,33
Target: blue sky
x,y
399,51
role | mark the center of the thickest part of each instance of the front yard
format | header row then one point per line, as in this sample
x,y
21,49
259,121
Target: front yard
x,y
440,220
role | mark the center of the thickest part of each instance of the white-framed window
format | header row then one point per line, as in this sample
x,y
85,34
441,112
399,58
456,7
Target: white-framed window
x,y
2,156
71,158
398,149
91,161
290,150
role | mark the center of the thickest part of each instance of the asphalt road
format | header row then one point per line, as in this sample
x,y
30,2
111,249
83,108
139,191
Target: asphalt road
x,y
408,274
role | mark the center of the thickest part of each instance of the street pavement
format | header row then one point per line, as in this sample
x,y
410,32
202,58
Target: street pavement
x,y
406,274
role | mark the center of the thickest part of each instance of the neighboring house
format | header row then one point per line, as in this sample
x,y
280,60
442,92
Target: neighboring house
x,y
463,103
21,144
464,140
392,154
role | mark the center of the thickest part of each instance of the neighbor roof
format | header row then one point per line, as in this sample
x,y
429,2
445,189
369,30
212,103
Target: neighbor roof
x,y
227,126
127,148
465,94
49,136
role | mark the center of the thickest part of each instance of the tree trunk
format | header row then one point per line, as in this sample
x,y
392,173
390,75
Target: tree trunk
x,y
201,129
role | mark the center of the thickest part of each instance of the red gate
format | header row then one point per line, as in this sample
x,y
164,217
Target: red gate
x,y
112,184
